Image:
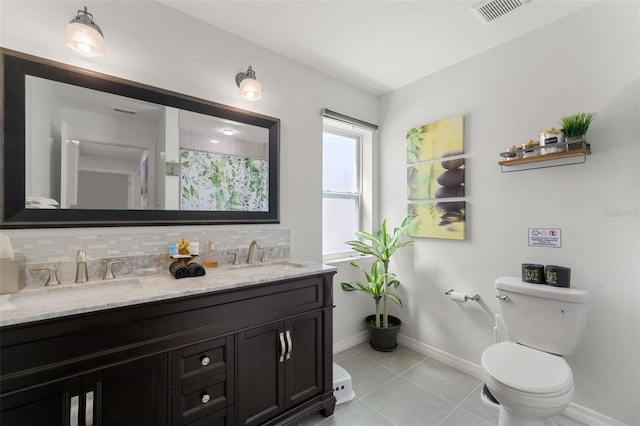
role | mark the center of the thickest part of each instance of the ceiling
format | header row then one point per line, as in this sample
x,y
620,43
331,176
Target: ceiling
x,y
378,46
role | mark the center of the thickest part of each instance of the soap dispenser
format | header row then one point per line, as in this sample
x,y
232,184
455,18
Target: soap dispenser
x,y
210,256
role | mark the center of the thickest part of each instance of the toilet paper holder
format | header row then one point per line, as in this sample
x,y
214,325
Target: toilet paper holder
x,y
475,296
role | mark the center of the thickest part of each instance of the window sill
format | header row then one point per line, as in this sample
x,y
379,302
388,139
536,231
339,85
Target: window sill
x,y
344,259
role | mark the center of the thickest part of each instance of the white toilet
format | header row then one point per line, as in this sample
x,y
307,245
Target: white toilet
x,y
528,377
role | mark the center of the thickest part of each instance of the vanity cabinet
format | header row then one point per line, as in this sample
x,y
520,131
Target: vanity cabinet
x,y
41,405
131,393
257,354
279,366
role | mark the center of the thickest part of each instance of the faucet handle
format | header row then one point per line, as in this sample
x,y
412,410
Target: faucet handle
x,y
108,272
53,276
235,257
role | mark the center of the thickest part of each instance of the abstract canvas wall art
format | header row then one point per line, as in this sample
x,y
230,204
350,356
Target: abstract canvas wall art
x,y
436,171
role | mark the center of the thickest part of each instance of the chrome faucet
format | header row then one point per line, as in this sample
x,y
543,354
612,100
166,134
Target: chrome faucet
x,y
254,245
82,275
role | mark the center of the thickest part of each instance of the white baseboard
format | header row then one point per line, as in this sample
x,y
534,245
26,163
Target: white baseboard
x,y
444,357
591,417
575,411
350,342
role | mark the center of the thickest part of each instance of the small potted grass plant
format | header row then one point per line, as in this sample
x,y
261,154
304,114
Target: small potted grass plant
x,y
575,128
383,328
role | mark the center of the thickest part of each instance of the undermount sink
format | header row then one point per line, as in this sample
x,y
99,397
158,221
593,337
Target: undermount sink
x,y
266,268
73,293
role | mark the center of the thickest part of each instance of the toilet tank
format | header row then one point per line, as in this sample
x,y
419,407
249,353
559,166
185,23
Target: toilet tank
x,y
551,319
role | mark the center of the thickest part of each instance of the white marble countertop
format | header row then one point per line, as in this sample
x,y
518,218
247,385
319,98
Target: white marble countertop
x,y
40,303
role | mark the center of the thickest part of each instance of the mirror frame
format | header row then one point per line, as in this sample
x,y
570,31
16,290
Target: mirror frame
x,y
15,66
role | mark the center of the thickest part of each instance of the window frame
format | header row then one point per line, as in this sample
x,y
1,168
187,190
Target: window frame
x,y
365,179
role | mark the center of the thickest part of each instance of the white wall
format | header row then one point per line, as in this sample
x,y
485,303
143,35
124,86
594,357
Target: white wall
x,y
111,129
43,140
102,190
183,54
586,62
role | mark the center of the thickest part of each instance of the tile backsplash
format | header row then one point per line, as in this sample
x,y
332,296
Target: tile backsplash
x,y
143,251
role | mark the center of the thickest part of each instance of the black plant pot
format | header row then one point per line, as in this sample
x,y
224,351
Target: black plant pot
x,y
383,339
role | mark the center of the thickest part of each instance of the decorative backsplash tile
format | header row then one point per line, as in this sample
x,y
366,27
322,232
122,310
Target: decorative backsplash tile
x,y
144,252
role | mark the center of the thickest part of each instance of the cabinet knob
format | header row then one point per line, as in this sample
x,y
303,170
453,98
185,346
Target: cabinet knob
x,y
205,360
205,398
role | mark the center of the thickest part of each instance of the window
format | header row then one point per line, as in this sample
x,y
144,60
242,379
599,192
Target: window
x,y
347,186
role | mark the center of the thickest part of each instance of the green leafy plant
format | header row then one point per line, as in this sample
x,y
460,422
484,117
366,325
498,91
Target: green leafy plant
x,y
382,246
577,124
375,285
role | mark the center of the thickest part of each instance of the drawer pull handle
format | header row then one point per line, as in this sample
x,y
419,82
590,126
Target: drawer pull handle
x,y
290,344
205,398
283,348
205,360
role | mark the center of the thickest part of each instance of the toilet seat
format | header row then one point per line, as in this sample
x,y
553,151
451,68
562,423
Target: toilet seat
x,y
527,371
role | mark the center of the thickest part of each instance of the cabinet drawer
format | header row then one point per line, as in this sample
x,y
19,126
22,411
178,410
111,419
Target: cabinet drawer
x,y
197,362
203,398
224,417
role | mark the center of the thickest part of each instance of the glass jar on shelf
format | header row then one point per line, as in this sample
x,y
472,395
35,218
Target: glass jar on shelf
x,y
530,149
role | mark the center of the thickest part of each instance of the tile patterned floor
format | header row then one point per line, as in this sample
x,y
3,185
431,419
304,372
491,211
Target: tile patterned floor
x,y
406,388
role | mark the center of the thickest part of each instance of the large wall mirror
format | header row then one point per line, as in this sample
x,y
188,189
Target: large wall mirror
x,y
87,149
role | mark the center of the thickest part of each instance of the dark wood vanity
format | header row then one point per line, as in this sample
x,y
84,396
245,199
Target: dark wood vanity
x,y
259,354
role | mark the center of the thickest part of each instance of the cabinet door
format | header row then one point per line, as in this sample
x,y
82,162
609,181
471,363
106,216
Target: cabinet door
x,y
134,393
303,366
260,371
55,404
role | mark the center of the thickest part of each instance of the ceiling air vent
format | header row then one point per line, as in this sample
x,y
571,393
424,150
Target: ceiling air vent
x,y
489,10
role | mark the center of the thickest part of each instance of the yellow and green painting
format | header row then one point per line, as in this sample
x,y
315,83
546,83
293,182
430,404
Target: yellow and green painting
x,y
438,179
440,139
437,220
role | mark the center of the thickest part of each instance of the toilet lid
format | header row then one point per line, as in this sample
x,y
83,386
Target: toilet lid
x,y
526,369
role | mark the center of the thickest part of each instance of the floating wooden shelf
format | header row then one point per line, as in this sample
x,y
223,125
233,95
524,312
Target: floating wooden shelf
x,y
575,156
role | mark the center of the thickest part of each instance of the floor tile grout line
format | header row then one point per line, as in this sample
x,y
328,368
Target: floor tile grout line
x,y
366,354
379,413
396,375
460,407
437,395
431,392
361,399
395,372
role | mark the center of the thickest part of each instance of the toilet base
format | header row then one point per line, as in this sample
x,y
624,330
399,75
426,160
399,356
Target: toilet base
x,y
507,418
488,400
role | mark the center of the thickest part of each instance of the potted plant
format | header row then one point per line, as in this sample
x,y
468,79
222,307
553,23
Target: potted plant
x,y
575,128
383,328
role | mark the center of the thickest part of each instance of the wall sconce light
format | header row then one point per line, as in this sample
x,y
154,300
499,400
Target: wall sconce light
x,y
250,88
84,36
